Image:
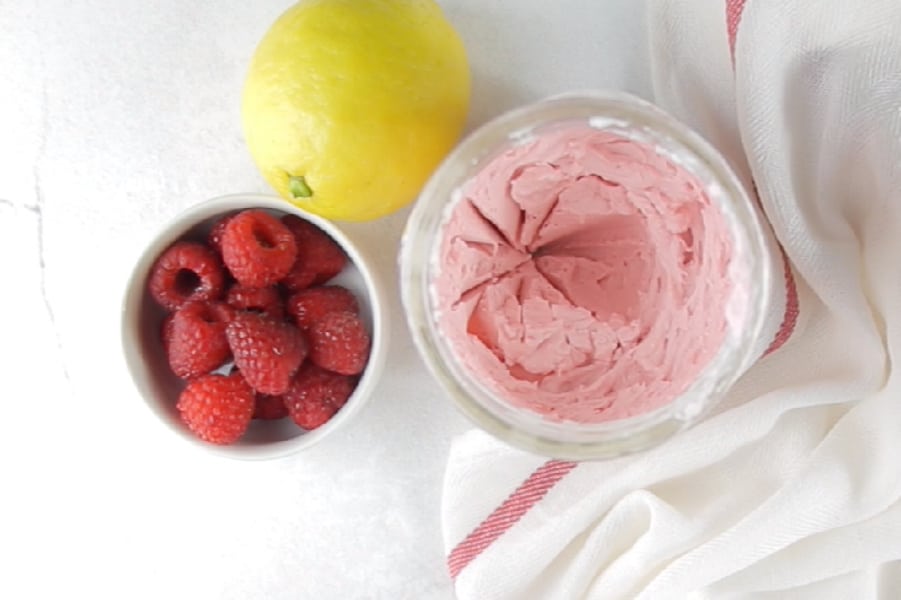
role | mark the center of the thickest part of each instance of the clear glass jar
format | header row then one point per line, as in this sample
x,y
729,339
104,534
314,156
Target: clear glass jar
x,y
754,271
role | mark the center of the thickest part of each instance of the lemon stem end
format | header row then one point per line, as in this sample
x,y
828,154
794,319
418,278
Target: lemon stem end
x,y
298,187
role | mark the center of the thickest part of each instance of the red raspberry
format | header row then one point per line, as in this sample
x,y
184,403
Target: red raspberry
x,y
319,258
309,305
316,395
257,248
197,342
266,407
186,271
214,239
166,331
269,408
267,351
339,342
265,300
217,408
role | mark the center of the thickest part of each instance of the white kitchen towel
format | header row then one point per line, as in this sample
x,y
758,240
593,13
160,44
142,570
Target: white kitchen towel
x,y
793,488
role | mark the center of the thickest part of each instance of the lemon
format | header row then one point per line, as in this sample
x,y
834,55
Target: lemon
x,y
349,105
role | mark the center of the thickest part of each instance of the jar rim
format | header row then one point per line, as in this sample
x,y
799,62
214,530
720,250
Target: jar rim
x,y
606,110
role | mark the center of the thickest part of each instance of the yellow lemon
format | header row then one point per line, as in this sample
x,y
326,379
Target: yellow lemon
x,y
349,105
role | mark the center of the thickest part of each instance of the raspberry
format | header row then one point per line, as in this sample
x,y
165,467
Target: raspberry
x,y
309,305
166,331
316,395
197,343
265,406
257,248
217,408
214,239
339,342
319,258
186,271
267,351
263,300
269,408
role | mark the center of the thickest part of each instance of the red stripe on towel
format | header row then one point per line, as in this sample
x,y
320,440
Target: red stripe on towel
x,y
734,9
508,513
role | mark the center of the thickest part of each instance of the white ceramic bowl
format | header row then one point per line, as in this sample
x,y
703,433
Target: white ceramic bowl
x,y
159,387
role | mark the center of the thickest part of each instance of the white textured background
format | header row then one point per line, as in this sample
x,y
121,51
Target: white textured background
x,y
114,116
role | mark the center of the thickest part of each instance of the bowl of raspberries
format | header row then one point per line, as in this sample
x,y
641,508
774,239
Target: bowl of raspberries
x,y
252,328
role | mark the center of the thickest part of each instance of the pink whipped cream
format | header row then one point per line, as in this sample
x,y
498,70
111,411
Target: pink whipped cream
x,y
583,276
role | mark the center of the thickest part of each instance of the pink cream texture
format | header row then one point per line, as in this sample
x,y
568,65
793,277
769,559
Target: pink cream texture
x,y
583,276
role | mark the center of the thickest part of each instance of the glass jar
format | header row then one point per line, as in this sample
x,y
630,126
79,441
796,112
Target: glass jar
x,y
752,310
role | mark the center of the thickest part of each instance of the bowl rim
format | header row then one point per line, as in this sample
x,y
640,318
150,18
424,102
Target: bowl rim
x,y
135,294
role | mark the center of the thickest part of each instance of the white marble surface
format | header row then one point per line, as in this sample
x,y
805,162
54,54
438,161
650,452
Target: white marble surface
x,y
114,116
